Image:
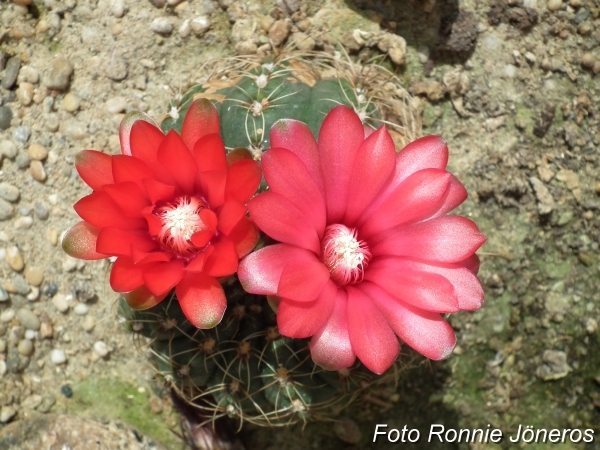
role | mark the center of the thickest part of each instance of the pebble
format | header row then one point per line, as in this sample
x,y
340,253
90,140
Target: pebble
x,y
23,223
2,368
32,402
6,210
41,211
7,315
7,413
31,334
25,347
2,346
278,32
116,69
58,356
45,330
81,309
36,168
51,121
48,401
22,134
71,102
23,160
117,7
554,5
34,294
158,3
34,276
9,192
5,117
7,148
14,258
19,285
302,41
116,105
3,294
59,76
161,25
11,72
200,25
185,29
50,289
28,319
101,349
52,235
69,264
61,302
28,74
25,93
88,323
588,60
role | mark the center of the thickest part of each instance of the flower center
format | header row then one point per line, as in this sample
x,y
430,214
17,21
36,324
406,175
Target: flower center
x,y
344,255
180,220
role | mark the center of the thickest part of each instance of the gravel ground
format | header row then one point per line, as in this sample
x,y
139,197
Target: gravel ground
x,y
512,85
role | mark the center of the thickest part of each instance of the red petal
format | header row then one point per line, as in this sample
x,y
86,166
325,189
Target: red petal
x,y
80,242
373,341
282,221
297,138
304,319
238,154
198,261
373,165
162,277
443,239
229,216
201,238
340,137
287,175
125,276
141,257
455,195
330,347
209,153
201,119
428,152
179,162
117,242
243,178
244,236
101,211
129,197
130,121
425,290
94,168
154,222
130,168
426,332
158,191
223,261
145,140
303,279
416,198
212,184
471,263
202,300
141,298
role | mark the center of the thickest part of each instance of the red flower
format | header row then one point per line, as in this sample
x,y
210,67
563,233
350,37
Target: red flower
x,y
171,209
367,253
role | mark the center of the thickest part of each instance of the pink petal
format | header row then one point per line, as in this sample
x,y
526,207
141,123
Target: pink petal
x,y
373,165
125,276
80,242
126,128
304,319
428,152
201,119
296,137
303,280
141,298
373,341
425,290
287,175
443,239
244,236
99,210
260,271
339,139
455,195
129,197
162,277
202,300
330,347
282,221
426,332
116,242
176,158
94,168
209,153
416,198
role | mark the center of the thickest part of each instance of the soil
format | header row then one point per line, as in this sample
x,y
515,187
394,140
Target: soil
x,y
513,87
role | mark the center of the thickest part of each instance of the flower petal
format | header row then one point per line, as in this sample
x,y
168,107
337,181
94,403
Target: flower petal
x,y
130,168
130,198
158,191
223,261
201,119
244,236
330,347
373,341
455,195
128,123
282,221
373,165
340,137
443,239
94,168
229,216
99,210
141,298
414,199
212,185
162,277
197,262
202,300
116,242
125,276
243,178
428,152
296,137
303,279
145,140
177,159
425,290
426,332
209,153
304,319
287,175
80,242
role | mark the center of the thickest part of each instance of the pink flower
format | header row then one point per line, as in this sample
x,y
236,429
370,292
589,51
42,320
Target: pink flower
x,y
171,209
366,253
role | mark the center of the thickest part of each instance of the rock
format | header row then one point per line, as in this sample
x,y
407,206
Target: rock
x,y
545,200
23,160
243,29
18,285
61,302
37,171
81,309
570,178
555,366
9,192
28,319
3,295
14,259
32,401
88,323
11,72
116,68
7,413
116,105
246,48
59,75
2,368
34,294
7,315
7,148
58,356
279,32
37,152
25,347
6,116
588,60
302,41
459,35
394,45
22,134
161,25
117,7
185,29
554,5
71,102
41,211
200,25
25,93
51,122
6,210
34,276
28,74
50,289
158,3
23,223
101,349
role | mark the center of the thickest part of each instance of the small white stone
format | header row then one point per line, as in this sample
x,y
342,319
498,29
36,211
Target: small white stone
x,y
117,7
88,323
200,25
116,105
31,334
57,356
81,309
510,71
2,367
161,25
53,199
101,349
7,413
23,223
61,302
34,294
554,5
185,29
69,264
7,315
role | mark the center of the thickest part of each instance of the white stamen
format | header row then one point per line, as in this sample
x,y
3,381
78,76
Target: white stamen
x,y
181,220
344,255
